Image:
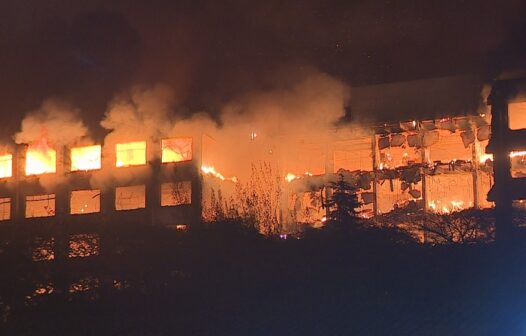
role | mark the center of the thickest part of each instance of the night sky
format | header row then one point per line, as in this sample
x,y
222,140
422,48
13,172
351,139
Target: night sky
x,y
85,52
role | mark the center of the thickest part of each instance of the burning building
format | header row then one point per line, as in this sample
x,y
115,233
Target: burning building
x,y
273,172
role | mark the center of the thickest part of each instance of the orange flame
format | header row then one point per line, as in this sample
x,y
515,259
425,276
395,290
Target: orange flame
x,y
40,158
85,158
209,170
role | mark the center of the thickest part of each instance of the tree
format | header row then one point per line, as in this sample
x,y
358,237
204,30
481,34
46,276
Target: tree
x,y
343,203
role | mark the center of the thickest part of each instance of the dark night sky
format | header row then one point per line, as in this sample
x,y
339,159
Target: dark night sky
x,y
210,51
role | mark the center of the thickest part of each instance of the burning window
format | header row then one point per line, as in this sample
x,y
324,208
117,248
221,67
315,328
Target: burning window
x,y
129,198
83,245
6,165
447,193
176,150
517,115
176,193
85,158
131,154
41,160
40,206
5,209
84,201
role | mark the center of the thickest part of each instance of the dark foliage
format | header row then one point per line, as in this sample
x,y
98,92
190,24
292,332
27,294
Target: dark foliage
x,y
343,203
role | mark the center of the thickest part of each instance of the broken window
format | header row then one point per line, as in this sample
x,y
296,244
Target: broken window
x,y
6,165
5,208
131,154
41,160
447,193
84,245
176,193
85,158
518,164
517,115
129,198
40,206
450,147
84,201
176,150
353,154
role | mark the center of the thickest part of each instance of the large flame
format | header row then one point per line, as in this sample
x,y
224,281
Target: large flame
x,y
85,158
131,154
40,158
209,170
6,165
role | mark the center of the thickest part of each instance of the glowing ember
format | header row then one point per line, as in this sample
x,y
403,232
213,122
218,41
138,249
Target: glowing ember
x,y
209,170
85,158
131,154
6,165
176,150
40,158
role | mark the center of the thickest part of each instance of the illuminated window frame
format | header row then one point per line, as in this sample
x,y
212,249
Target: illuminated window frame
x,y
48,198
6,165
94,206
189,157
119,162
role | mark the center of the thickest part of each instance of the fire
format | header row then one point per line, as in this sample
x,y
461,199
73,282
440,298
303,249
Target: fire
x,y
483,157
85,158
6,165
516,154
40,158
291,177
209,170
131,154
447,207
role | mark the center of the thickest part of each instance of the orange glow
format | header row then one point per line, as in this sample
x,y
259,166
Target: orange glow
x,y
131,154
85,158
516,154
40,158
6,165
209,170
176,150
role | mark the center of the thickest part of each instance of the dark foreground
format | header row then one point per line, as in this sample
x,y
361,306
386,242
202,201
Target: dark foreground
x,y
226,281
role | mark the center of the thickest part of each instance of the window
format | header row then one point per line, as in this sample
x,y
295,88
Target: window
x,y
84,202
129,198
41,161
131,154
176,193
6,165
85,158
176,150
517,115
40,206
5,209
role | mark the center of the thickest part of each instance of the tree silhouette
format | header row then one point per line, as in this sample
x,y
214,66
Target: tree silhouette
x,y
343,203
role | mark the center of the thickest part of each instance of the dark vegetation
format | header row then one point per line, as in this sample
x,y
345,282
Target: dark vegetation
x,y
226,279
